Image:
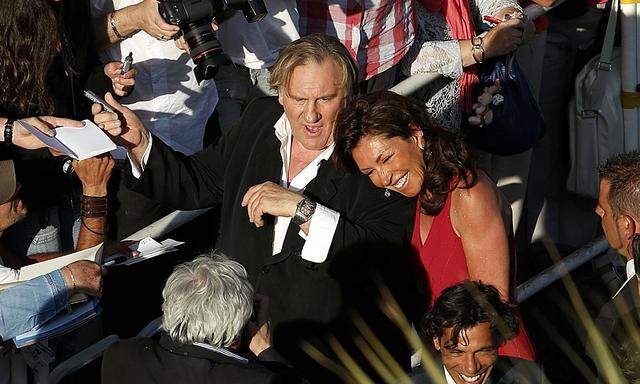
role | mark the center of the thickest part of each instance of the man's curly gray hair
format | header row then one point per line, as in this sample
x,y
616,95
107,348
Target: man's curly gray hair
x,y
207,300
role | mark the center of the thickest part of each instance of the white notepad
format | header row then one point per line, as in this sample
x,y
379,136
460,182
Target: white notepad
x,y
78,143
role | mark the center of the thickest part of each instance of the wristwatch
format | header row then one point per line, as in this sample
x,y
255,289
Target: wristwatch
x,y
304,211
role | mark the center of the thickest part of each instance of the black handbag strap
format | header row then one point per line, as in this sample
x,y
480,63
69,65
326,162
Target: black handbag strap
x,y
606,54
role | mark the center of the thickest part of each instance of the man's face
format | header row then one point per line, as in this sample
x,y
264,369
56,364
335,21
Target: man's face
x,y
607,219
471,359
312,102
12,210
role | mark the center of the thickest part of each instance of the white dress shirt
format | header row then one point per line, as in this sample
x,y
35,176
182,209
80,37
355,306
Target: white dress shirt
x,y
166,97
631,272
257,45
448,376
324,221
8,275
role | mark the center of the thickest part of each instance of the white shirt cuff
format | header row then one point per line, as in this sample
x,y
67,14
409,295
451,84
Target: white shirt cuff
x,y
145,158
322,227
8,275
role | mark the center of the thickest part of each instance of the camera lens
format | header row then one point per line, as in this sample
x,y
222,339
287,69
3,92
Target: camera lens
x,y
205,50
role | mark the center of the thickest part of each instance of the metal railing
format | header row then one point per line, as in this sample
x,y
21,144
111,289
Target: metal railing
x,y
561,268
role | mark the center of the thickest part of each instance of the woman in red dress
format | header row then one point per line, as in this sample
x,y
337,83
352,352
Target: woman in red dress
x,y
462,224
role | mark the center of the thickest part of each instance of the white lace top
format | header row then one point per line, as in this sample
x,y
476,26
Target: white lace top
x,y
435,51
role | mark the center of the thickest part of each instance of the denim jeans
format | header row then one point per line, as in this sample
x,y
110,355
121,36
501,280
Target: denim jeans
x,y
39,232
31,304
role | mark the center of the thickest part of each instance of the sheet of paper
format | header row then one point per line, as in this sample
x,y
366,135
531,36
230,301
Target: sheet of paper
x,y
42,268
148,249
78,143
85,142
49,141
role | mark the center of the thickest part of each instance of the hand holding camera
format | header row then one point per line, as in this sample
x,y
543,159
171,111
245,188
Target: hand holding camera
x,y
149,20
194,18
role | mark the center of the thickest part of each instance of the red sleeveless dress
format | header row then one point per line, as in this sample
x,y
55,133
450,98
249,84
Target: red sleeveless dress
x,y
444,263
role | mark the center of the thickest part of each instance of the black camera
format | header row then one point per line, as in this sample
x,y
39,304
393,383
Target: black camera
x,y
194,19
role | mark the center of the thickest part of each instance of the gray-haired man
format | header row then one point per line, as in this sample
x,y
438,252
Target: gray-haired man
x,y
207,304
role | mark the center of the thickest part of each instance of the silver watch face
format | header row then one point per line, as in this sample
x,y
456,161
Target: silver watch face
x,y
305,210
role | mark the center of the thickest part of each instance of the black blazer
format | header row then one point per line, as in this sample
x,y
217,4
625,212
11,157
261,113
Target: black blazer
x,y
368,241
614,320
143,360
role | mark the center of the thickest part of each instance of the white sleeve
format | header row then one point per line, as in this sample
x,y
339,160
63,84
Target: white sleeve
x,y
8,275
322,227
434,50
145,158
492,7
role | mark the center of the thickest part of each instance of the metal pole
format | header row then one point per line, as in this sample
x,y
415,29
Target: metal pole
x,y
565,266
411,84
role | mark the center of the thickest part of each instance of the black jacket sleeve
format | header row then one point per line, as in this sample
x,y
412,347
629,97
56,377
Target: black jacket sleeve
x,y
185,182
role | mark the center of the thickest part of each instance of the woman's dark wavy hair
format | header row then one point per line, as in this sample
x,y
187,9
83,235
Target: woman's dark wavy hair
x,y
29,43
447,157
466,305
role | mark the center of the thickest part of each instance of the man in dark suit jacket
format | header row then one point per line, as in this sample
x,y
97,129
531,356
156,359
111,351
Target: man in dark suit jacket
x,y
309,235
467,324
207,303
619,211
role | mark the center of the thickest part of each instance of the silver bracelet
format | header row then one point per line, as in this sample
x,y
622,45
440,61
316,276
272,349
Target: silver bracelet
x,y
73,279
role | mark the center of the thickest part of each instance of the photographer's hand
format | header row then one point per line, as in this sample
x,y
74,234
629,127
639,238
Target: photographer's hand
x,y
182,45
149,20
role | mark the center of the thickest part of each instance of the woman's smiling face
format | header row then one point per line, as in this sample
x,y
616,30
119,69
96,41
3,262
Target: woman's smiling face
x,y
394,163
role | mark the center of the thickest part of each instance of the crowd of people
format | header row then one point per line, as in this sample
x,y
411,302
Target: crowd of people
x,y
331,190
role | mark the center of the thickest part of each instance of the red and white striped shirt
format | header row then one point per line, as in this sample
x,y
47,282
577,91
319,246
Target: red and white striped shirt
x,y
377,33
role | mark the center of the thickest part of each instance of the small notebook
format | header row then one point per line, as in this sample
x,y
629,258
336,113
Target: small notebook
x,y
64,322
78,143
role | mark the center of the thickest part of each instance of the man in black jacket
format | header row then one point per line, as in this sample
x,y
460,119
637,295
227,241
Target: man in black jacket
x,y
619,211
309,235
207,303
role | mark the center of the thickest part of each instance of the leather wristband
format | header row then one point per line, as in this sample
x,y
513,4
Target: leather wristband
x,y
8,132
93,207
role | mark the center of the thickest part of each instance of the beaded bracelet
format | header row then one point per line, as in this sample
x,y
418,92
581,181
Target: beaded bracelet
x,y
8,132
